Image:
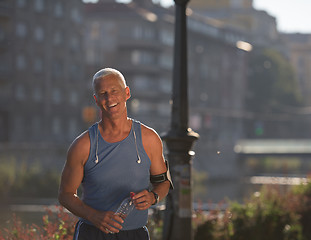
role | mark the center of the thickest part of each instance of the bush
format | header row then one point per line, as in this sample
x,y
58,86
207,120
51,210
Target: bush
x,y
264,216
22,180
271,214
301,203
58,226
213,225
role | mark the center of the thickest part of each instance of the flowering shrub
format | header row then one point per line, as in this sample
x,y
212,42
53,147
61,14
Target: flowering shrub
x,y
271,214
56,226
59,225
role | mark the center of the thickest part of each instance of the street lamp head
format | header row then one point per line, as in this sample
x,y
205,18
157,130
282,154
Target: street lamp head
x,y
181,2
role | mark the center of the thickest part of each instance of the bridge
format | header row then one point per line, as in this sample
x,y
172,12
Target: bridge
x,y
296,164
275,147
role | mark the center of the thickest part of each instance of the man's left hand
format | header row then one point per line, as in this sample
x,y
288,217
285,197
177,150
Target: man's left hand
x,y
143,200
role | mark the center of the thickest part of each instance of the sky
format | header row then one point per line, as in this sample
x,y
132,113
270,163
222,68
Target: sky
x,y
291,15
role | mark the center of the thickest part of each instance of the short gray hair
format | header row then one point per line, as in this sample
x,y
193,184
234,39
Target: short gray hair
x,y
106,72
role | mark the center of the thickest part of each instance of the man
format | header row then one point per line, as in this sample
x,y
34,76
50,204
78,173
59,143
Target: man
x,y
112,158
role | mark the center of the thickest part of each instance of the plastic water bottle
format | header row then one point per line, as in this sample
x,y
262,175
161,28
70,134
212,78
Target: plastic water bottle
x,y
125,207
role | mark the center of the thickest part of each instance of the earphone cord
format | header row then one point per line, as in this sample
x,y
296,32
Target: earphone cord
x,y
96,151
139,160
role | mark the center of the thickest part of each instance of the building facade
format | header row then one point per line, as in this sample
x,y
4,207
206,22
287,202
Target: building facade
x,y
299,53
240,14
42,74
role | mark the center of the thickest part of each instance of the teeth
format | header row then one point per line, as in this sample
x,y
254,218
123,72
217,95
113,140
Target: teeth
x,y
113,105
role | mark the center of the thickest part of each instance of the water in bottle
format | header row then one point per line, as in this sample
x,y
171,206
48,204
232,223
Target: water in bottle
x,y
125,207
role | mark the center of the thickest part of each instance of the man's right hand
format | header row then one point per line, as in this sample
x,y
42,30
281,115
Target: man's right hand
x,y
107,222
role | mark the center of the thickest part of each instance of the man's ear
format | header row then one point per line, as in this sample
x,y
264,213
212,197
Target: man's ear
x,y
128,93
95,98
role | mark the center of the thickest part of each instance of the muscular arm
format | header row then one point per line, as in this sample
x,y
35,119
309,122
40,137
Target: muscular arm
x,y
71,179
154,148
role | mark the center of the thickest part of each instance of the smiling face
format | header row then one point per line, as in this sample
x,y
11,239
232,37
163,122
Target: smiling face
x,y
111,95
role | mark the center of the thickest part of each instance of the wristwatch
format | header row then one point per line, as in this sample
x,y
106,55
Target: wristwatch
x,y
156,197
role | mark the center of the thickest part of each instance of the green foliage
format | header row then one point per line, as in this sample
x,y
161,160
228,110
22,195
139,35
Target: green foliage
x,y
22,180
302,205
155,225
271,83
213,225
264,216
60,225
7,176
271,214
57,225
199,183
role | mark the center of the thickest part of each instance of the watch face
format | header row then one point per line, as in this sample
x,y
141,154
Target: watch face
x,y
156,196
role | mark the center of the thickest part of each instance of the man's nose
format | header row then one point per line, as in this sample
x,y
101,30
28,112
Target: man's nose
x,y
108,96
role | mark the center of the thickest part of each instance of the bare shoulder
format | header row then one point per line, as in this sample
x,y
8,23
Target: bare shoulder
x,y
152,142
154,148
80,148
149,134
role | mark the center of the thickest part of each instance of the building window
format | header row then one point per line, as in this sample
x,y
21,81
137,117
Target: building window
x,y
138,32
20,92
164,109
56,96
56,126
58,10
148,108
57,69
19,123
166,61
143,32
75,72
21,3
142,57
36,125
38,65
95,31
149,33
37,93
21,30
141,83
20,62
73,97
75,15
74,43
57,38
39,5
165,85
167,37
72,128
39,34
236,3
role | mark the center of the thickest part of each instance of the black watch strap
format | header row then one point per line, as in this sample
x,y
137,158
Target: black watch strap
x,y
156,197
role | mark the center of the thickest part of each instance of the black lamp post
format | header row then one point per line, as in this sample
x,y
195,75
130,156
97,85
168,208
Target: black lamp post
x,y
179,139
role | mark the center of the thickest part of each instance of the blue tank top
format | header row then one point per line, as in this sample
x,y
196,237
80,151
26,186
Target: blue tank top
x,y
117,173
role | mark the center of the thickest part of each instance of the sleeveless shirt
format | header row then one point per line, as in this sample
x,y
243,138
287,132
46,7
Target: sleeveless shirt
x,y
117,173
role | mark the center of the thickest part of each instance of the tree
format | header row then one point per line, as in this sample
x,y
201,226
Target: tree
x,y
272,83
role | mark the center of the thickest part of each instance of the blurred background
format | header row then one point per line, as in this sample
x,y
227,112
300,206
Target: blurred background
x,y
249,89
